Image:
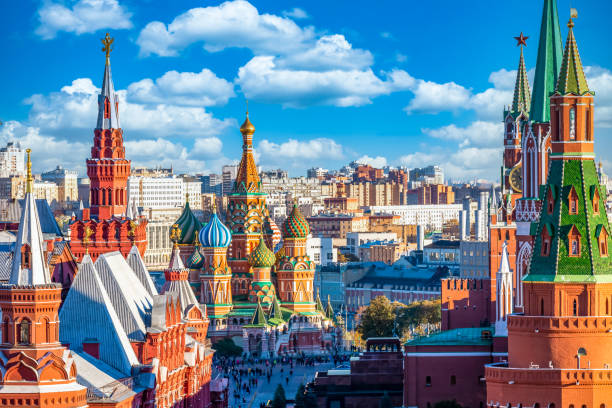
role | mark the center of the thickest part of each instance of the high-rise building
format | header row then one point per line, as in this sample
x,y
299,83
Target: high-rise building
x,y
229,174
12,160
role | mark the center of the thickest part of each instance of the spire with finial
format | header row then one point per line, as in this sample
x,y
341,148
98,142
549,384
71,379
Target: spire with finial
x,y
550,51
29,178
29,263
175,235
522,96
571,77
108,102
247,177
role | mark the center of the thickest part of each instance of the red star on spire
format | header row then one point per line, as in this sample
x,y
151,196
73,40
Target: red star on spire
x,y
522,40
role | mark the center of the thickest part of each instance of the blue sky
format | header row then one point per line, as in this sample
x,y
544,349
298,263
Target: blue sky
x,y
386,82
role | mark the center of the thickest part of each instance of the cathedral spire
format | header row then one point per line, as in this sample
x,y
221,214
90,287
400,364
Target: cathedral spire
x,y
571,78
29,265
108,102
550,51
522,97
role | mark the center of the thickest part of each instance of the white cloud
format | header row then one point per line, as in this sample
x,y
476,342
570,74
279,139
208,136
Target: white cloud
x,y
478,133
84,16
431,97
387,35
263,80
74,109
399,57
295,152
378,161
207,147
329,52
183,88
296,13
67,152
232,24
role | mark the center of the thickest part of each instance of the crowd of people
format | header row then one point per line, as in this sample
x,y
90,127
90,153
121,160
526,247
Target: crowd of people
x,y
246,373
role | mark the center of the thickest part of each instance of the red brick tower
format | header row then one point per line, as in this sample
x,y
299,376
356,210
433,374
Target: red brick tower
x,y
36,371
536,143
108,169
104,226
558,349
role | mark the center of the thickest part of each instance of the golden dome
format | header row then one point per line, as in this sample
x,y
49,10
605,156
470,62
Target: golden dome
x,y
247,127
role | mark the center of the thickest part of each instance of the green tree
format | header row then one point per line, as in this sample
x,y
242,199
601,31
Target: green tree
x,y
227,348
300,397
279,401
447,404
377,319
418,313
385,401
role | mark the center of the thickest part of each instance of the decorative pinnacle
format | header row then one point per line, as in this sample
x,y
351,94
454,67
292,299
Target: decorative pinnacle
x,y
175,234
214,205
29,178
247,108
108,42
87,233
521,39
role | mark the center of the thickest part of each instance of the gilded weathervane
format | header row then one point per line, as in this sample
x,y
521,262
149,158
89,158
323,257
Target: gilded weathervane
x,y
108,42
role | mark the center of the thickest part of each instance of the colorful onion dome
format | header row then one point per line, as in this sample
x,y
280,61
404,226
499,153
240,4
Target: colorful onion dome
x,y
295,226
215,234
262,257
272,229
189,226
247,127
195,261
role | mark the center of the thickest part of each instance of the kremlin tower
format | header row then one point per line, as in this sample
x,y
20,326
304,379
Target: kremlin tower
x,y
37,371
109,224
536,141
108,169
558,349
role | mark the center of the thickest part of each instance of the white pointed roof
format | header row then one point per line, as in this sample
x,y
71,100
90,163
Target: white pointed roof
x,y
137,264
29,234
88,313
108,92
504,263
180,287
129,297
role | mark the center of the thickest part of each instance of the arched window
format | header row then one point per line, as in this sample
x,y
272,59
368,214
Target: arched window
x,y
587,127
25,256
509,130
542,307
572,124
47,331
574,241
107,107
596,201
24,332
428,381
575,307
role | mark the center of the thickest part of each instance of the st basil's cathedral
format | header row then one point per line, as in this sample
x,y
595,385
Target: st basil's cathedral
x,y
263,300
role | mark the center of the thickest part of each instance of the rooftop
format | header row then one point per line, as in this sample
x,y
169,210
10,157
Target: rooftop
x,y
469,336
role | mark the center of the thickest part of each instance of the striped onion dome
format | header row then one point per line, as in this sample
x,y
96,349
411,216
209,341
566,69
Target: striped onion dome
x,y
272,229
195,261
189,226
295,226
215,234
262,257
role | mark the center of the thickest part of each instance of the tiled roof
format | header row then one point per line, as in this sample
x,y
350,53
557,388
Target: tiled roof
x,y
136,262
571,78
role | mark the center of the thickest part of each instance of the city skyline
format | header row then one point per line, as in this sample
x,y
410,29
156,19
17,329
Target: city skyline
x,y
182,91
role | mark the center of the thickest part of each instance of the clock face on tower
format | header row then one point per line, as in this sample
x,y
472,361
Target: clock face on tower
x,y
515,178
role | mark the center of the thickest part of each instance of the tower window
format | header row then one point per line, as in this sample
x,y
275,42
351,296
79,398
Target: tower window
x,y
574,241
546,239
572,124
550,202
428,381
26,257
596,201
573,201
587,125
107,108
575,308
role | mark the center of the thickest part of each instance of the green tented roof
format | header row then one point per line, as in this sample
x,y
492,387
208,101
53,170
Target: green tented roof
x,y
571,78
548,65
521,103
559,266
